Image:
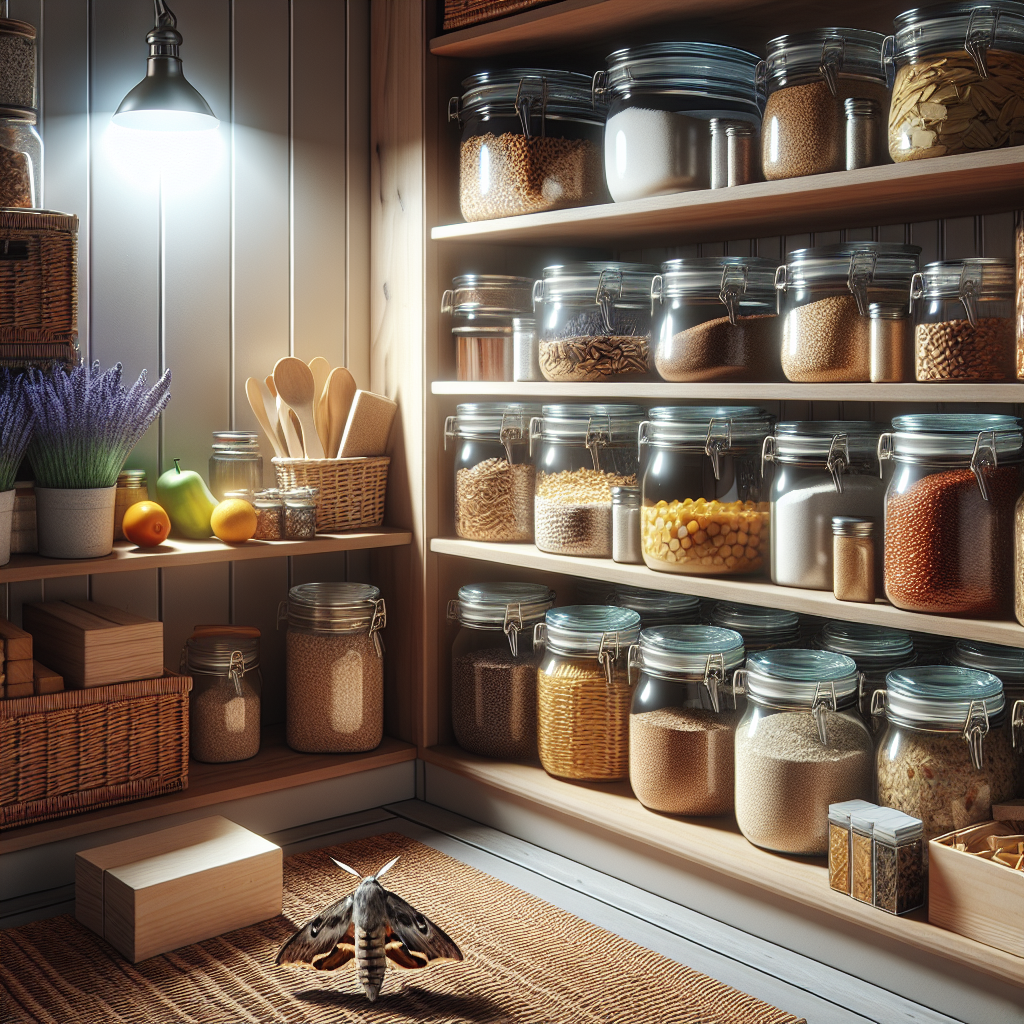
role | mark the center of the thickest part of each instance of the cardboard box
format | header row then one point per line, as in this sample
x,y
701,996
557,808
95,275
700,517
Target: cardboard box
x,y
45,680
17,643
180,885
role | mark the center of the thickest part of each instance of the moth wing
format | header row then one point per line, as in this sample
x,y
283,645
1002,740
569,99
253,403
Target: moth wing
x,y
325,942
420,939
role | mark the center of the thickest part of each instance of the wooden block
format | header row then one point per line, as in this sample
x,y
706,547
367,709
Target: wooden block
x,y
17,642
177,886
45,680
368,426
12,690
18,672
1011,810
92,644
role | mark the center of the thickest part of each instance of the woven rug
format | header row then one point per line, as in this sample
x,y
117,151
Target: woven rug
x,y
525,961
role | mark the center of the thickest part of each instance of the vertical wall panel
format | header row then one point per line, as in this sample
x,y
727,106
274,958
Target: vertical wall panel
x,y
192,595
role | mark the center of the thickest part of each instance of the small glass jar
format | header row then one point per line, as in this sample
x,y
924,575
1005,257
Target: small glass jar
x,y
17,64
525,349
269,507
840,842
735,152
855,559
863,132
705,507
682,719
334,659
898,863
131,488
299,513
964,321
762,629
236,463
826,330
890,334
21,159
945,757
594,321
957,68
494,668
807,78
716,319
494,473
583,693
949,512
626,525
1007,664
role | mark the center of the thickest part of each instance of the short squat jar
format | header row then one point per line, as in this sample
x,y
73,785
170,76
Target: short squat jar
x,y
583,693
236,463
800,746
682,719
494,668
762,629
335,667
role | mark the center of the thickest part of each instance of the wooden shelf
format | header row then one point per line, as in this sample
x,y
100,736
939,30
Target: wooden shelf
x,y
744,590
126,557
275,767
717,845
951,186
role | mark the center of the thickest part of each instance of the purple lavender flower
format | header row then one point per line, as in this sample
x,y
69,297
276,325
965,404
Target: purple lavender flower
x,y
16,420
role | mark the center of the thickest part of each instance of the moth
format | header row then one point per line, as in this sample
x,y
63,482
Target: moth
x,y
371,926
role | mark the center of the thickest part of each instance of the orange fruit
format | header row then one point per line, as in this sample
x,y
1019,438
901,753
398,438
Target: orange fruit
x,y
145,524
233,521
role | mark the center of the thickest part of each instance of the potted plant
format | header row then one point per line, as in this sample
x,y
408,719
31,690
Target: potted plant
x,y
86,425
15,433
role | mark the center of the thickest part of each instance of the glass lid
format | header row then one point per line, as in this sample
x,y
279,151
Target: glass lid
x,y
968,25
492,605
735,281
335,607
706,427
614,424
956,436
527,93
868,645
988,278
212,654
1005,662
754,620
817,440
622,283
473,295
828,52
686,649
941,697
797,676
492,421
590,629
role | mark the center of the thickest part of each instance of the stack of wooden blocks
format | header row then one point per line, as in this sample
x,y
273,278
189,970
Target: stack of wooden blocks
x,y
20,674
23,527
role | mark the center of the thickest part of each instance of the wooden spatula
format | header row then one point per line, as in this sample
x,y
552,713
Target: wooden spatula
x,y
294,382
321,369
339,392
262,413
285,425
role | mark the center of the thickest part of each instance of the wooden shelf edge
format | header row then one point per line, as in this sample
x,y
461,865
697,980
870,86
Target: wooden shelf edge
x,y
718,846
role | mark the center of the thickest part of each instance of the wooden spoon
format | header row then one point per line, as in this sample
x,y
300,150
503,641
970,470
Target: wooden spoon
x,y
285,428
321,369
294,382
260,409
339,392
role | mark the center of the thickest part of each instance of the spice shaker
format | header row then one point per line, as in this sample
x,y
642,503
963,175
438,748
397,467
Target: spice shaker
x,y
299,513
853,558
862,829
626,525
735,159
269,506
898,857
889,334
525,351
863,132
840,839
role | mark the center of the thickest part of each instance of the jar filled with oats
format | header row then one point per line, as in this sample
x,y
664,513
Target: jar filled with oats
x,y
335,667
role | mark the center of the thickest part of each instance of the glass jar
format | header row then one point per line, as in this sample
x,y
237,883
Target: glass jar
x,y
657,138
889,332
1018,560
21,160
807,79
656,607
17,64
682,719
826,330
525,349
594,321
716,319
334,667
582,452
131,488
626,525
762,629
898,863
1007,664
531,141
957,68
945,757
949,512
952,346
823,468
494,474
800,747
299,513
705,508
855,559
583,693
236,463
269,507
494,667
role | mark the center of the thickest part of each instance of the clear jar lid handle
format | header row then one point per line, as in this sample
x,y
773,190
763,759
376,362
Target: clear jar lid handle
x,y
985,443
761,83
540,634
884,451
607,654
768,449
975,731
833,53
879,699
451,425
236,669
656,291
981,34
862,272
512,625
536,423
824,700
889,60
734,284
1017,723
635,659
714,677
838,459
970,288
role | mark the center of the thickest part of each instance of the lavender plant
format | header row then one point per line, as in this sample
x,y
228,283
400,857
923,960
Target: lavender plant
x,y
87,423
15,426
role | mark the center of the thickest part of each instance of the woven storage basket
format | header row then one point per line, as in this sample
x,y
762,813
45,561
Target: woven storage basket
x,y
459,13
79,750
350,492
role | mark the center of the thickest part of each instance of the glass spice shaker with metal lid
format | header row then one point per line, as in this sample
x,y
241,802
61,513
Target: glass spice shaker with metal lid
x,y
761,628
269,507
889,337
131,488
236,463
525,349
299,512
1007,664
21,159
855,559
898,855
626,525
862,862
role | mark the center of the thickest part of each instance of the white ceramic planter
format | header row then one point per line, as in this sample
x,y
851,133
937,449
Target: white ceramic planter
x,y
6,518
75,523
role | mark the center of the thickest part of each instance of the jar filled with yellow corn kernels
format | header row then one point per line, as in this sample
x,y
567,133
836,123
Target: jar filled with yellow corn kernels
x,y
704,506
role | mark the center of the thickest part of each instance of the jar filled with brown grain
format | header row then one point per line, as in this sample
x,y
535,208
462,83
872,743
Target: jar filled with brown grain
x,y
840,842
335,667
21,159
269,507
131,488
949,512
494,667
683,717
299,512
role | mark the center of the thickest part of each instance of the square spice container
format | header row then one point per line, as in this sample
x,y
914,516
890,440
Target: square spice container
x,y
898,863
862,846
839,842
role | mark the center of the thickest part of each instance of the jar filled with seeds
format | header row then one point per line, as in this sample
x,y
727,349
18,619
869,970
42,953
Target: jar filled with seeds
x,y
705,509
581,452
662,98
855,559
958,79
236,463
17,63
299,513
801,746
945,757
1007,664
1019,292
949,512
531,141
964,327
683,717
594,321
762,629
583,692
335,667
494,475
716,319
808,79
494,668
828,293
21,159
269,507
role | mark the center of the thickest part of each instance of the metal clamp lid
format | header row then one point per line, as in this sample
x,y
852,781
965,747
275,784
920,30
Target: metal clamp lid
x,y
981,34
833,53
236,669
714,672
862,272
597,438
1017,723
975,730
825,700
714,443
734,284
606,657
970,287
838,459
979,460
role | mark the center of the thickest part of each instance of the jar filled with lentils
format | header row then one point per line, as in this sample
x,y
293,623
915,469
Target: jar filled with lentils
x,y
762,629
335,667
1007,664
949,512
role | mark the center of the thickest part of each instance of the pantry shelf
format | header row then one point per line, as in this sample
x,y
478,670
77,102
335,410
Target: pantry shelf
x,y
716,845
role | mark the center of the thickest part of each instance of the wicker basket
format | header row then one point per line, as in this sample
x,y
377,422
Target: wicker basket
x,y
459,13
350,492
79,750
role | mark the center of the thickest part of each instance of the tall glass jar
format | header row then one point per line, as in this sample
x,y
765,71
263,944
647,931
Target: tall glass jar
x,y
800,746
131,488
762,629
705,510
494,667
335,667
683,717
21,159
236,463
581,452
823,468
949,512
583,693
494,474
716,319
1007,664
1019,292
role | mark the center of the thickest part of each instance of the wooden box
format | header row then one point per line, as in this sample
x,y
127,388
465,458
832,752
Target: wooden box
x,y
92,644
180,885
979,898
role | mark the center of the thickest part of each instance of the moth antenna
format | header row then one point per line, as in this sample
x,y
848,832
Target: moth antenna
x,y
387,867
345,867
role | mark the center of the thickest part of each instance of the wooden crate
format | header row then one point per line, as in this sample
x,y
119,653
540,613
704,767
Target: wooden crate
x,y
180,885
